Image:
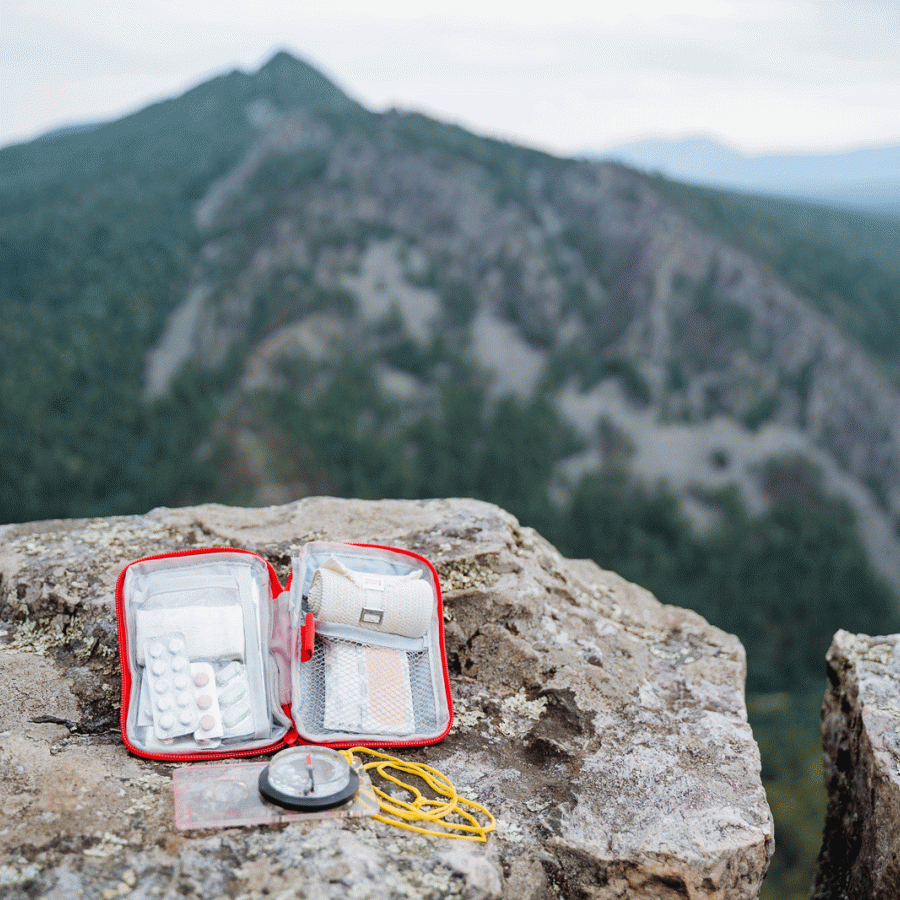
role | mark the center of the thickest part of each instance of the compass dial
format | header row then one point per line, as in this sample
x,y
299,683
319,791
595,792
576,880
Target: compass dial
x,y
308,778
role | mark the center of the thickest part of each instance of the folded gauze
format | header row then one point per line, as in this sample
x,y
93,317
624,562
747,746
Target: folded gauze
x,y
211,632
394,604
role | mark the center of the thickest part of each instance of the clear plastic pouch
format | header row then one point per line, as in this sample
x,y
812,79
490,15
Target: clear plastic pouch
x,y
195,634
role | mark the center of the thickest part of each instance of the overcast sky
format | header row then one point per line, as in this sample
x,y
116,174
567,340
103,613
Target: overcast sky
x,y
564,75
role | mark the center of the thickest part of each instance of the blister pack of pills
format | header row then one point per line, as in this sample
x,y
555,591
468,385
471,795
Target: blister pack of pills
x,y
234,699
182,694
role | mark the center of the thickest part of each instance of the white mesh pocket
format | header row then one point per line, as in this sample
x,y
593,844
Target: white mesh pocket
x,y
354,688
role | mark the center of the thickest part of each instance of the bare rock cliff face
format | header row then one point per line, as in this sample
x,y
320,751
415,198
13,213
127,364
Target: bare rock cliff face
x,y
605,731
860,856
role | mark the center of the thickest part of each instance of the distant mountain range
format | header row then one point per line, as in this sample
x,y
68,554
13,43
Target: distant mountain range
x,y
864,179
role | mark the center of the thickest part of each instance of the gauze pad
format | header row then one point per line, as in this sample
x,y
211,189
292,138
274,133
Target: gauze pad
x,y
210,632
367,690
394,604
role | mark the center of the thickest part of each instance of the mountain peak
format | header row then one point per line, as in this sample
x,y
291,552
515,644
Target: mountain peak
x,y
284,58
292,82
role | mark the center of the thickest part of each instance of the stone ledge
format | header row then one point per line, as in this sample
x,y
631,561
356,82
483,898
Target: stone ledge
x,y
607,732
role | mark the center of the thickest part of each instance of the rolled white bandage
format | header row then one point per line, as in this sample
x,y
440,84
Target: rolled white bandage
x,y
393,604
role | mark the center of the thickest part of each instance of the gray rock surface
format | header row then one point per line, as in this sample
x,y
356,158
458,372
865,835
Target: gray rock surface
x,y
605,731
860,856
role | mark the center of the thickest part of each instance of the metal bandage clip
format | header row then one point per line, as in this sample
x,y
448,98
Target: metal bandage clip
x,y
372,612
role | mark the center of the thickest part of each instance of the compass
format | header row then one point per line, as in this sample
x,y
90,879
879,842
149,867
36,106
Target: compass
x,y
308,778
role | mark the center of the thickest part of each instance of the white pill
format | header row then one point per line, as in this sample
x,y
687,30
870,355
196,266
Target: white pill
x,y
184,699
161,686
178,664
232,716
233,692
176,645
186,717
181,681
166,721
155,649
164,702
228,672
158,667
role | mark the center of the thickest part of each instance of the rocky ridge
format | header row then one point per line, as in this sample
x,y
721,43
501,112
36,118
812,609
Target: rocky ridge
x,y
605,731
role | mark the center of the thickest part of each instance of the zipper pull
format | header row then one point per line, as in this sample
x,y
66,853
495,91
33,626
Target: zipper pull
x,y
307,638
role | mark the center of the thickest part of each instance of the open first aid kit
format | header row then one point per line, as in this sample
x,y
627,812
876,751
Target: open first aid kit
x,y
219,660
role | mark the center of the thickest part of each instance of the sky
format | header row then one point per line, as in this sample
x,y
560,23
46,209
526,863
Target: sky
x,y
566,76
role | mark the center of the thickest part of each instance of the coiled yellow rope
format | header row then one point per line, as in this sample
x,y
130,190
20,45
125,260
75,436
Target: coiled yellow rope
x,y
401,814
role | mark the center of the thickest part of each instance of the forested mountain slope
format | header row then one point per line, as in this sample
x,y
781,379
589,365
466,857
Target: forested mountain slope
x,y
261,290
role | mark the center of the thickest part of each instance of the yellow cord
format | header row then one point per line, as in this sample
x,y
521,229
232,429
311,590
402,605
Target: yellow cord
x,y
401,813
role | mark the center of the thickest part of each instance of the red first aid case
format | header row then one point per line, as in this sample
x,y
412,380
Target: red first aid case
x,y
219,660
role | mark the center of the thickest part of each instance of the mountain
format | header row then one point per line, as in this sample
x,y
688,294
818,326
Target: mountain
x,y
864,179
194,133
261,290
